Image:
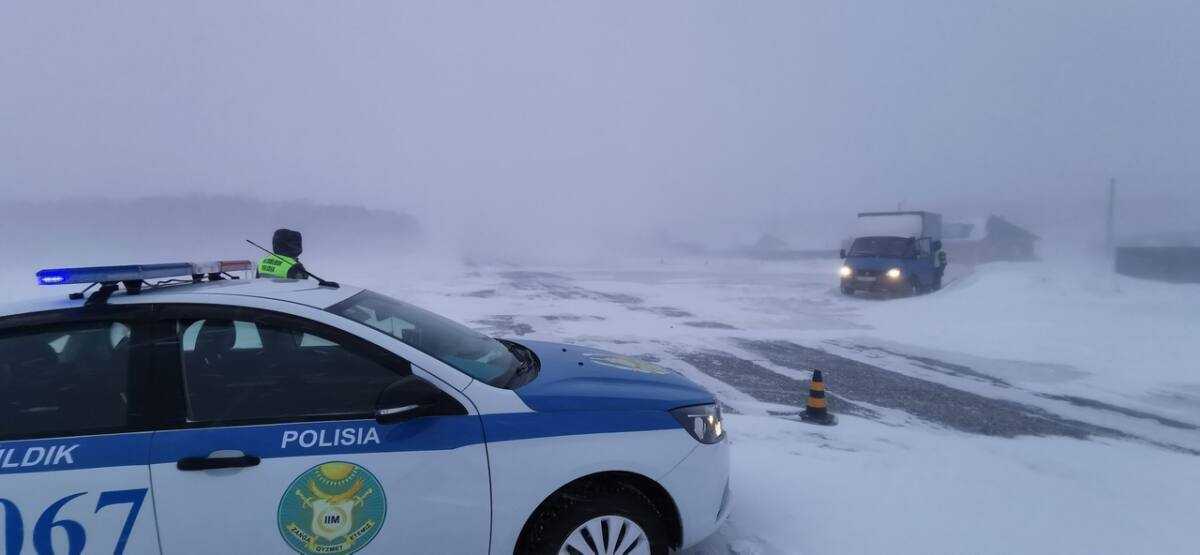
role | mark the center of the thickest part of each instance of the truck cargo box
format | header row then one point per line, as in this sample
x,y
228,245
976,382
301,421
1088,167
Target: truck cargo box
x,y
915,224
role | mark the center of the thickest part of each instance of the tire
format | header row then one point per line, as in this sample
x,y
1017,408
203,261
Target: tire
x,y
848,291
615,509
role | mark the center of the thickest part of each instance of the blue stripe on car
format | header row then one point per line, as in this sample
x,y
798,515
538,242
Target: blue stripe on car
x,y
318,438
74,453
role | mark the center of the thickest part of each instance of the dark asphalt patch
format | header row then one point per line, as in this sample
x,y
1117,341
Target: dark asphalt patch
x,y
763,384
954,408
966,371
1094,404
505,324
570,318
668,311
930,363
619,298
710,325
561,287
527,275
1184,396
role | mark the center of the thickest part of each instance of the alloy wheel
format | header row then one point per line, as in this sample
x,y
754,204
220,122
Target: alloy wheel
x,y
607,535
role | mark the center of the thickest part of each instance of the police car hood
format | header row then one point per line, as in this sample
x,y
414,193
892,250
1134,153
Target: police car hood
x,y
579,378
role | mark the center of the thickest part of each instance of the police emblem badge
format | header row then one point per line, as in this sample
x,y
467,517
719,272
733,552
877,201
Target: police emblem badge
x,y
334,507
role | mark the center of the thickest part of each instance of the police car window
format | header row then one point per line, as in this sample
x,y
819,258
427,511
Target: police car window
x,y
245,336
310,340
118,333
60,343
237,370
471,352
69,379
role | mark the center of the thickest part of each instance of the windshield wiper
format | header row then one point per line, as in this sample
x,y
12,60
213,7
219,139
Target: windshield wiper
x,y
523,367
527,363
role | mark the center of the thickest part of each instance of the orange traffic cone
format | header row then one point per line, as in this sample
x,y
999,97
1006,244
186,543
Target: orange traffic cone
x,y
815,411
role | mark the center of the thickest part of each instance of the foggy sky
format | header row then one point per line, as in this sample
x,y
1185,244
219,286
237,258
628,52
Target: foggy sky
x,y
552,124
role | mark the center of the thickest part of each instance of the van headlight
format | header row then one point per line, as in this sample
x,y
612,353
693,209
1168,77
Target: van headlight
x,y
702,421
894,273
845,271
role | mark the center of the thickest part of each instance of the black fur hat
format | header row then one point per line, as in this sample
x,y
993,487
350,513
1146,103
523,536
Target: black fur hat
x,y
287,243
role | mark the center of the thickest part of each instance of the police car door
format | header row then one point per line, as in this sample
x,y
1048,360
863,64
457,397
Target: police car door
x,y
73,436
278,446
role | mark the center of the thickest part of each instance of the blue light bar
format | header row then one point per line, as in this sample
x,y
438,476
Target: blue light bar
x,y
105,274
139,272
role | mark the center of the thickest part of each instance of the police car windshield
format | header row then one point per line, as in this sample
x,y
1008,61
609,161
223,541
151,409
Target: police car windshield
x,y
886,247
471,352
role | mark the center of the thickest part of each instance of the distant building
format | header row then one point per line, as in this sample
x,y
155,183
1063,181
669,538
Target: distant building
x,y
768,242
988,240
1173,257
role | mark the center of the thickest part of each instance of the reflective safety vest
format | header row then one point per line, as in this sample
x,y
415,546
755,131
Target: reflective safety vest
x,y
279,266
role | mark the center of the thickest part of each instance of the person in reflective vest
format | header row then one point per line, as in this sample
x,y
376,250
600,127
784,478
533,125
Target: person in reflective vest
x,y
284,262
279,266
939,263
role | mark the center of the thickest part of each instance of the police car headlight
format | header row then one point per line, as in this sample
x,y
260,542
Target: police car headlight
x,y
702,421
894,273
845,271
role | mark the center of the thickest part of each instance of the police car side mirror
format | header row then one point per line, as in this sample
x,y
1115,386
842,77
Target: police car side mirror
x,y
411,397
842,253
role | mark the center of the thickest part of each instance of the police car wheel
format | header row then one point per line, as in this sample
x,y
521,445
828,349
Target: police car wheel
x,y
596,518
605,535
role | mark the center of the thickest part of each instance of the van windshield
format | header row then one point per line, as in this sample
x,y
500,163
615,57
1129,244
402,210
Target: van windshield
x,y
883,247
467,350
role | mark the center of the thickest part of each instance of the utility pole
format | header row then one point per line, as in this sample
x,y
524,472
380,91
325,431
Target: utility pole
x,y
1109,235
777,208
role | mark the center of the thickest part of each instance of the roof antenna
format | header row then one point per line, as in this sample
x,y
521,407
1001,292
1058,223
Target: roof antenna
x,y
320,282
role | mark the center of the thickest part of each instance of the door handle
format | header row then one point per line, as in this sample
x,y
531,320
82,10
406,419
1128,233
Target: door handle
x,y
214,463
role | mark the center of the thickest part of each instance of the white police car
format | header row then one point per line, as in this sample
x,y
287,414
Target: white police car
x,y
266,416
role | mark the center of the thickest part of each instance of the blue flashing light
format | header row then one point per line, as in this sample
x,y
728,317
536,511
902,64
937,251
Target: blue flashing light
x,y
108,274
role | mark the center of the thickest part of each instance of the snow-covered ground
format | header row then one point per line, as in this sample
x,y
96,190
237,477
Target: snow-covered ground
x,y
862,487
1112,361
1037,407
1130,340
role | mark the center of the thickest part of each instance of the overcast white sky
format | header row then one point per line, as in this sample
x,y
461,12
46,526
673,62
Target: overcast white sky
x,y
520,119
